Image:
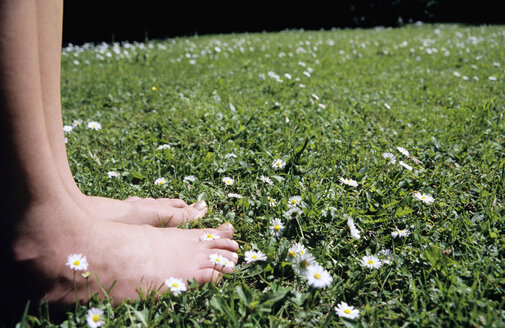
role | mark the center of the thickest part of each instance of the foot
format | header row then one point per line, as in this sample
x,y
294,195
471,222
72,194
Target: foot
x,y
138,257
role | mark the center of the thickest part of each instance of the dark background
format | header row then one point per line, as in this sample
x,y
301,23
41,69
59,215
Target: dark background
x,y
97,21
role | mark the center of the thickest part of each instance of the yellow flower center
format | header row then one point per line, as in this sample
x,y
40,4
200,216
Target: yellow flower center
x,y
96,317
276,228
294,201
77,263
175,285
292,253
255,256
347,311
209,235
154,88
317,276
370,261
217,260
304,264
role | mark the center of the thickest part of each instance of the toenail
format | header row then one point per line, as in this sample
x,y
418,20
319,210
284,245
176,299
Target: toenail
x,y
201,205
234,255
235,244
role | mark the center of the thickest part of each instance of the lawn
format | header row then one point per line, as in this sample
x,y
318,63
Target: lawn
x,y
380,152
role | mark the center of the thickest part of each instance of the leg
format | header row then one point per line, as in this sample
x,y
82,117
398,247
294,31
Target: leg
x,y
42,225
133,210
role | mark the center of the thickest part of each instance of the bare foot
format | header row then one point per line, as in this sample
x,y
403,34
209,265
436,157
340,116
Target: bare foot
x,y
137,256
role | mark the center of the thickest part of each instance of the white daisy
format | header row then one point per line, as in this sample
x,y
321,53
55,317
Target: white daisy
x,y
94,318
76,123
94,125
371,261
233,195
390,157
272,202
189,178
164,146
346,311
113,174
403,151
355,233
302,262
317,276
252,256
77,262
425,198
230,155
228,181
217,259
278,164
266,180
387,256
294,201
160,182
400,233
276,227
292,212
67,128
295,251
175,285
209,236
405,165
349,182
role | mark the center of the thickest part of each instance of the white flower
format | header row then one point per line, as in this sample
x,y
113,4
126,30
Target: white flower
x,y
400,233
293,211
175,285
387,106
278,164
230,155
492,78
67,128
272,202
233,195
76,123
113,174
346,311
219,116
228,263
387,256
425,198
160,182
209,236
317,276
302,262
164,146
217,259
355,233
252,256
390,157
276,227
403,151
94,318
294,201
266,180
349,182
189,178
228,181
371,262
405,165
77,262
94,125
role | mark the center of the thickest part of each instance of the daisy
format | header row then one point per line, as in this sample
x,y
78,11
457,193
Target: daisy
x,y
296,250
94,318
355,233
371,261
293,211
67,128
113,174
346,311
217,259
278,164
94,125
276,227
425,198
76,123
85,275
405,165
317,276
209,236
164,146
160,182
189,178
349,182
252,256
302,262
403,151
400,233
266,180
77,262
390,157
387,256
272,202
228,181
175,285
294,201
233,195
227,263
219,116
230,155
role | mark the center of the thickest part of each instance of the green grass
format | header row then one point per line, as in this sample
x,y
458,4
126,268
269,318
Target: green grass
x,y
353,95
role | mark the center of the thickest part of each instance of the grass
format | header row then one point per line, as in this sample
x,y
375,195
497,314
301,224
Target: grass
x,y
350,96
